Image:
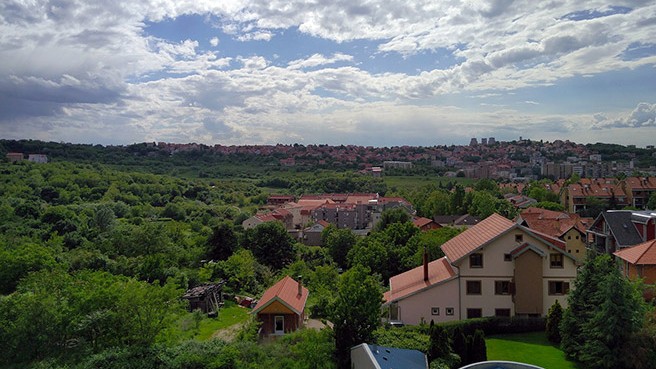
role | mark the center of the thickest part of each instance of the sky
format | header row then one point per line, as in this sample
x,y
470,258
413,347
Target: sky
x,y
379,73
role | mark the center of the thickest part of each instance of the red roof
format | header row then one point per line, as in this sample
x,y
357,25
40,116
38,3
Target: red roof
x,y
421,222
476,236
404,284
553,223
286,292
641,254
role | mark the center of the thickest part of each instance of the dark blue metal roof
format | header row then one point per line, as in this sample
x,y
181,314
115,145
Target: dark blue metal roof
x,y
396,358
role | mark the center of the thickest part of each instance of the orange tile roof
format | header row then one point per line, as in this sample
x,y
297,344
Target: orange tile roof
x,y
552,223
641,183
641,254
421,221
286,292
476,236
407,283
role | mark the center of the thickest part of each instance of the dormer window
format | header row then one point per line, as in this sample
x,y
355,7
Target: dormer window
x,y
476,260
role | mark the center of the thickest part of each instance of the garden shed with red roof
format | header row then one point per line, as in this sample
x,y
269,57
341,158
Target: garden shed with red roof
x,y
282,307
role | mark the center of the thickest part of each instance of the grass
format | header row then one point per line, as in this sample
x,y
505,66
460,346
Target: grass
x,y
414,182
531,348
200,327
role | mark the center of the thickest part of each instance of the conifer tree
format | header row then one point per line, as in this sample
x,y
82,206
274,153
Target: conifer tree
x,y
609,331
582,302
554,317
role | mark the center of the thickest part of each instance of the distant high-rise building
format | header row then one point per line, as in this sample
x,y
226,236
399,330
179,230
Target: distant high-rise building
x,y
473,141
491,141
484,141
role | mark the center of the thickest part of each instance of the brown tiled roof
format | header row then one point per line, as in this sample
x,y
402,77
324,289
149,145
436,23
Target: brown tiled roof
x,y
553,223
476,236
421,221
286,292
641,183
641,254
404,284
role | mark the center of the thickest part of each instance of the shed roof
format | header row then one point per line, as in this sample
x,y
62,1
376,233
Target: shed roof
x,y
407,283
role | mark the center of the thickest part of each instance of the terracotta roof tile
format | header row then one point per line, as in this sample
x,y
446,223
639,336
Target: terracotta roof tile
x,y
404,284
285,291
641,254
476,236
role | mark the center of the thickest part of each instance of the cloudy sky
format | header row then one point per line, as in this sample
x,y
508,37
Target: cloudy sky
x,y
382,73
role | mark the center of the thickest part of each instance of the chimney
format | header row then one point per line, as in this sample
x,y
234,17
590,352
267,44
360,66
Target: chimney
x,y
425,264
300,285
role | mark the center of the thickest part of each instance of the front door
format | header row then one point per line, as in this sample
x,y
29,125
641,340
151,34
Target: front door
x,y
279,324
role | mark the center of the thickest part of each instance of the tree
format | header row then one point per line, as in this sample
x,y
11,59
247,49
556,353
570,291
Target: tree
x,y
222,242
460,345
609,331
554,316
651,204
477,349
439,346
372,253
339,242
390,216
483,204
271,244
582,303
355,312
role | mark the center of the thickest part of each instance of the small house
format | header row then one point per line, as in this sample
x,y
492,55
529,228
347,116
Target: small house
x,y
282,307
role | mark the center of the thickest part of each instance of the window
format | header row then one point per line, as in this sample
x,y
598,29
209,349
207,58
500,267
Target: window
x,y
558,288
502,313
473,287
448,311
577,237
435,311
502,287
507,257
279,324
476,260
556,260
519,238
474,313
569,237
394,311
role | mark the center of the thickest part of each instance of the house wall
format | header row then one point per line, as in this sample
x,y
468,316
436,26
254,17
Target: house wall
x,y
575,244
528,281
634,272
251,222
292,322
415,307
496,268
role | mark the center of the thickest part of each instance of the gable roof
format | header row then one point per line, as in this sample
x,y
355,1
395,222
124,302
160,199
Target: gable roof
x,y
394,358
476,236
642,254
553,223
620,224
412,281
421,222
284,291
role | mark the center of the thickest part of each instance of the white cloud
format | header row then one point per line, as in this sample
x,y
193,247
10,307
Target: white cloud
x,y
318,60
214,41
644,115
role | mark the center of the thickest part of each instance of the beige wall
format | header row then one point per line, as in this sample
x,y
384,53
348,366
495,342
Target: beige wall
x,y
574,246
495,268
415,307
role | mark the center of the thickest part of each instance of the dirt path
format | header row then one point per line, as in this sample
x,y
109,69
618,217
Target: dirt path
x,y
228,334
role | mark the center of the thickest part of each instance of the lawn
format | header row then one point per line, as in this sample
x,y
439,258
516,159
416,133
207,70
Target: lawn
x,y
414,182
531,348
200,327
